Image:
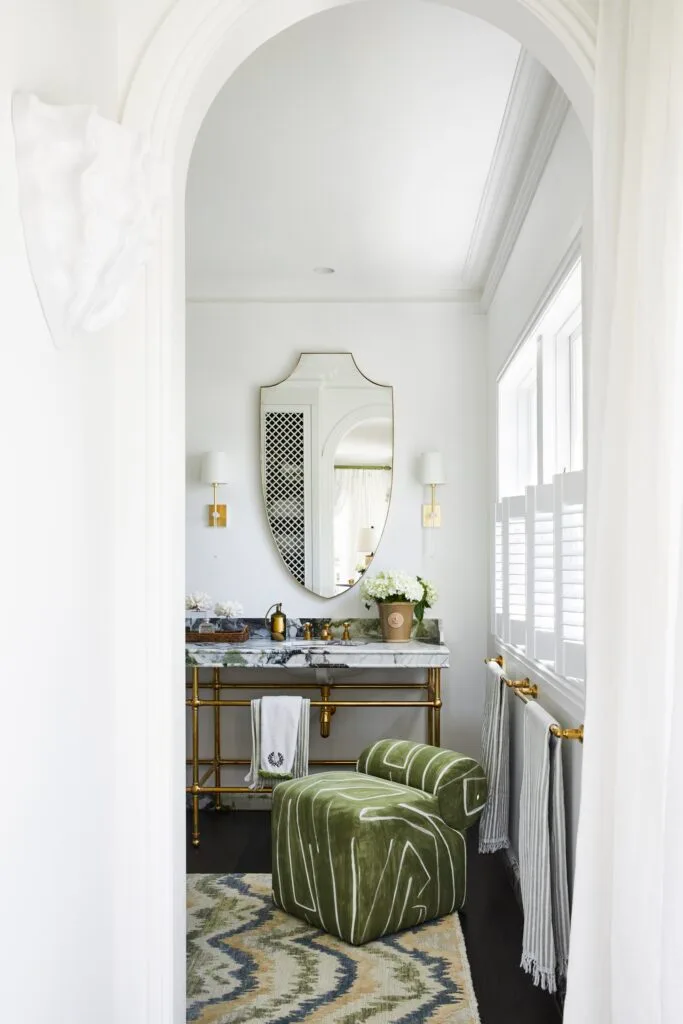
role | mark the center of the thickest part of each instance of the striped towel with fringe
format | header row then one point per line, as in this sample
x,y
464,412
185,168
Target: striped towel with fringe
x,y
543,853
495,744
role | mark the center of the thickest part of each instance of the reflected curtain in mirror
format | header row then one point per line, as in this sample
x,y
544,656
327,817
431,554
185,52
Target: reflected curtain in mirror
x,y
360,510
326,462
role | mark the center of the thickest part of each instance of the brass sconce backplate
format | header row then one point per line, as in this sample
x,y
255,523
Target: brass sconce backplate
x,y
218,515
431,516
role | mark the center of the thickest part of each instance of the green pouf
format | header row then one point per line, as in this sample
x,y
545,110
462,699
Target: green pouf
x,y
368,853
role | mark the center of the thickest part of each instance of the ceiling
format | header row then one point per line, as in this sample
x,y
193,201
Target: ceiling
x,y
360,139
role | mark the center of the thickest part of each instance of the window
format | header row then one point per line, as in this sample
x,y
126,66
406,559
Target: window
x,y
560,340
538,557
518,421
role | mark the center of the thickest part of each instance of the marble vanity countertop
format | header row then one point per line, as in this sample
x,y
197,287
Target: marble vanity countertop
x,y
265,653
365,649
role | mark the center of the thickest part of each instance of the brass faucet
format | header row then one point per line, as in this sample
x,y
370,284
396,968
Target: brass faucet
x,y
346,635
308,631
325,632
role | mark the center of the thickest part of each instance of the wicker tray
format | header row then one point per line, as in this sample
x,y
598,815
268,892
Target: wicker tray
x,y
219,637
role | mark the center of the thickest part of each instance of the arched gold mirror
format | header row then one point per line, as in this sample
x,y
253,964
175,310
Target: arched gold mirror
x,y
327,449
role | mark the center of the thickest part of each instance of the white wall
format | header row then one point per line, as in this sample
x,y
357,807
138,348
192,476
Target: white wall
x,y
434,355
57,951
553,222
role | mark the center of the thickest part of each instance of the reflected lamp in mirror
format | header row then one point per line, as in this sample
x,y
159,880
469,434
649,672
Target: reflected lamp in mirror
x,y
215,472
366,543
431,475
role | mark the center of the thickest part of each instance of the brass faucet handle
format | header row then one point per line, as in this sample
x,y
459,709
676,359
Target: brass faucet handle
x,y
346,635
308,631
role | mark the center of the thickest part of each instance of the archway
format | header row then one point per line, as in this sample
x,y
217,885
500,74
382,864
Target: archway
x,y
194,52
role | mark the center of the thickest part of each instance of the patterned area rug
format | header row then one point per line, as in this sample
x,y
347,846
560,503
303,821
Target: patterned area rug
x,y
248,961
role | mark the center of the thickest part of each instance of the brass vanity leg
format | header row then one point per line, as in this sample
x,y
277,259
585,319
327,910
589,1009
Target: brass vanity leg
x,y
217,735
325,712
195,757
437,710
430,711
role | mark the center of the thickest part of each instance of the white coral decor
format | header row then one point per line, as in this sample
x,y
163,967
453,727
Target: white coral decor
x,y
228,609
392,585
198,602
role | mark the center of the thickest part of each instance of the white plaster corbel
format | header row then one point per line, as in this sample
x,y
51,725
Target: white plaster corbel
x,y
89,192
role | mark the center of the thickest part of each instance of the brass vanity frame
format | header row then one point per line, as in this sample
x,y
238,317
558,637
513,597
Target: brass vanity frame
x,y
327,706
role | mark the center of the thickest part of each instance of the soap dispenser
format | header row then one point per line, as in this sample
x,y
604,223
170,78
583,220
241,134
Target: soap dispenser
x,y
277,622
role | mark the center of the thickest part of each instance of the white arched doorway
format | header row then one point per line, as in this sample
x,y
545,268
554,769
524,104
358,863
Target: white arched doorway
x,y
194,52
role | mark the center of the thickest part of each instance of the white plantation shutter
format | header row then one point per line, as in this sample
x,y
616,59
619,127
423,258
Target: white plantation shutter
x,y
517,604
513,550
538,573
498,572
570,657
541,573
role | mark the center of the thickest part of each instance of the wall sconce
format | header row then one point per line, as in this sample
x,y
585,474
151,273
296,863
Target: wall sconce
x,y
432,473
215,472
366,543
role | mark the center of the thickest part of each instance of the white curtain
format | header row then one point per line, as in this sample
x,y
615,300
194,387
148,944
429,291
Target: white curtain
x,y
626,958
361,500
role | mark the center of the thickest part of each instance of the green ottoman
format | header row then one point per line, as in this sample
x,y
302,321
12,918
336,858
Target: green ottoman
x,y
367,853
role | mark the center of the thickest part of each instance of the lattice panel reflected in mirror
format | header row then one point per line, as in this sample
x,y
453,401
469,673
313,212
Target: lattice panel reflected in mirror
x,y
284,490
327,451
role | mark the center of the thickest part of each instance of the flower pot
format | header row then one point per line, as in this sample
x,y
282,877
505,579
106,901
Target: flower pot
x,y
396,619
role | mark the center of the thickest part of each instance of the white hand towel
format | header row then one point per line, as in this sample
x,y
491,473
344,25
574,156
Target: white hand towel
x,y
279,740
542,852
495,757
280,718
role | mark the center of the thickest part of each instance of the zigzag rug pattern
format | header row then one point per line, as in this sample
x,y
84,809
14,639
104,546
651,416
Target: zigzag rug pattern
x,y
247,961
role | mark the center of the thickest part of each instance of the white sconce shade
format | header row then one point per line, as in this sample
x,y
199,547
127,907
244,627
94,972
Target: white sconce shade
x,y
214,468
215,472
366,540
431,468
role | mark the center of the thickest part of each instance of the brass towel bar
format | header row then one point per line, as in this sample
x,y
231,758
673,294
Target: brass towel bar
x,y
526,690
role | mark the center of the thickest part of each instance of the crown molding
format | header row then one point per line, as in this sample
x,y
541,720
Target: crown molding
x,y
528,93
463,296
553,117
533,117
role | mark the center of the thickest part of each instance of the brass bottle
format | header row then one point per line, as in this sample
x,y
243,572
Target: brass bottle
x,y
277,623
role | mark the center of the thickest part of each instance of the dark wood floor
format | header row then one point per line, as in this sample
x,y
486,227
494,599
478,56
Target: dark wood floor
x,y
491,921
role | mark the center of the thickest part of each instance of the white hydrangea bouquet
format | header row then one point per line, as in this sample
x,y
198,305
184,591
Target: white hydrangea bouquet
x,y
395,587
198,601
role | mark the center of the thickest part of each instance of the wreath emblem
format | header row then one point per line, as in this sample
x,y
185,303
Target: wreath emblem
x,y
275,760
